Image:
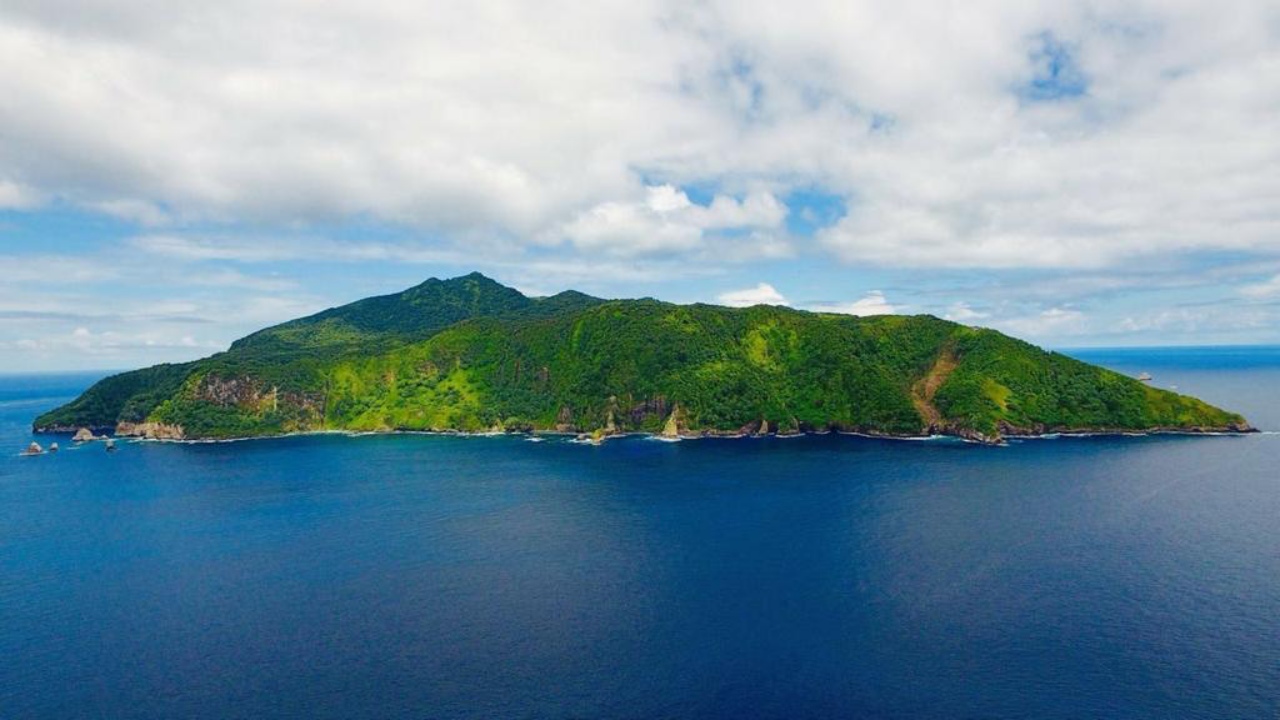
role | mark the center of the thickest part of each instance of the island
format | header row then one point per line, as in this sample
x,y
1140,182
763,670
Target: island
x,y
471,355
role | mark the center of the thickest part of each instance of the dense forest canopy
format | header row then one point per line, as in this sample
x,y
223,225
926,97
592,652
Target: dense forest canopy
x,y
470,354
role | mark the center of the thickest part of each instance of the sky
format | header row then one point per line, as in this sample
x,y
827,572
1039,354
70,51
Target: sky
x,y
175,175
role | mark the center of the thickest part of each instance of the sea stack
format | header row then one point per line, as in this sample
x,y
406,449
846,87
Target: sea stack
x,y
672,429
84,435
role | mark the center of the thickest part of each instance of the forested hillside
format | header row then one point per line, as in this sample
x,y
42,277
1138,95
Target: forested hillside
x,y
469,354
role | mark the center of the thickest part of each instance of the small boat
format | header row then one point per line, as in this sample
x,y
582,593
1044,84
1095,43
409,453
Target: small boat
x,y
33,449
53,447
1145,377
111,445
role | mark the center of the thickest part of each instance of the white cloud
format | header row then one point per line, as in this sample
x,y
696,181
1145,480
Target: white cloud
x,y
961,312
1197,320
225,278
1267,289
40,269
198,248
251,250
17,197
559,122
109,343
621,145
1053,322
598,272
666,220
873,303
137,211
761,294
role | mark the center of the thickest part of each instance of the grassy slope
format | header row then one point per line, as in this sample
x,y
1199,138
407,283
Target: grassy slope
x,y
469,354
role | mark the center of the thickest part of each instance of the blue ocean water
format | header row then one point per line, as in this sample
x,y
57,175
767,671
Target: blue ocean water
x,y
438,577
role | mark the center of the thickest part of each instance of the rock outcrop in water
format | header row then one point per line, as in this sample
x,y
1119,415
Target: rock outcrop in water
x,y
675,424
471,355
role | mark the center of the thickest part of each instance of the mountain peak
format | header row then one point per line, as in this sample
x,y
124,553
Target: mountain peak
x,y
472,277
407,316
474,288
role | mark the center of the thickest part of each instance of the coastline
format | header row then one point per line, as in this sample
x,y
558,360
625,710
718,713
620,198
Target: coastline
x,y
590,439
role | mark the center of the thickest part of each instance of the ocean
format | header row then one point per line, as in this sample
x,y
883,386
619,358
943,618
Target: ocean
x,y
494,577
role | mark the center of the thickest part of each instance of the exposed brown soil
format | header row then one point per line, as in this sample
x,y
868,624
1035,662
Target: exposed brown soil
x,y
925,388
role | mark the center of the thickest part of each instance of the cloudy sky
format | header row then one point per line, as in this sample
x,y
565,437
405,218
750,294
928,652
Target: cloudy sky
x,y
176,174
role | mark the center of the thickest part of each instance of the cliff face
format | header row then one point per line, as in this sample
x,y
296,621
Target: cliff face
x,y
151,431
468,354
251,396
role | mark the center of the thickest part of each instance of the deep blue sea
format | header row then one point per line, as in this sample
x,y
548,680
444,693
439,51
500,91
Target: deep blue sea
x,y
445,577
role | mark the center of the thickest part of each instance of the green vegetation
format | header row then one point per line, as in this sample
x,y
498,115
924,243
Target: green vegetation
x,y
128,397
469,354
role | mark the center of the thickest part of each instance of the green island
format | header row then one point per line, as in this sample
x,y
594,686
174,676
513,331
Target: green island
x,y
471,355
